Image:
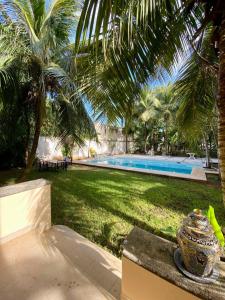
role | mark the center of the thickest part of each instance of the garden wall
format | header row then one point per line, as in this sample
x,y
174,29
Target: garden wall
x,y
110,141
23,207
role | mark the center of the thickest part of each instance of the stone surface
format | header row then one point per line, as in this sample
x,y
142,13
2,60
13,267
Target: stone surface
x,y
57,265
22,187
156,255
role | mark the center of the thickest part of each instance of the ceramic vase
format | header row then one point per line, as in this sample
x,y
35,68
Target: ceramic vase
x,y
199,246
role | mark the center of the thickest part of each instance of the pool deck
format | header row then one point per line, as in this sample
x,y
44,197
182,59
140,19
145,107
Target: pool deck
x,y
198,174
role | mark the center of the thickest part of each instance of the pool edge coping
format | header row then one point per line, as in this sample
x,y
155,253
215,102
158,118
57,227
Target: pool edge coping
x,y
201,177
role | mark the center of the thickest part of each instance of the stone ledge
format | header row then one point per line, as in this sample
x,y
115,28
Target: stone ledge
x,y
22,187
155,254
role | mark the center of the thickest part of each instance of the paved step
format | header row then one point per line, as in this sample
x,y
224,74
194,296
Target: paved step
x,y
59,264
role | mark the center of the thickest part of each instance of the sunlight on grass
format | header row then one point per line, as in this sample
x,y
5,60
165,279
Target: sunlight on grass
x,y
104,205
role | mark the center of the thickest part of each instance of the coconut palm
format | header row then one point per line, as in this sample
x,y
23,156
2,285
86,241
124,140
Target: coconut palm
x,y
44,34
136,26
165,95
148,108
195,95
110,95
104,84
155,110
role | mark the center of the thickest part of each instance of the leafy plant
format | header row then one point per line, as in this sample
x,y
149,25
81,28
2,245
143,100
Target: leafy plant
x,y
66,150
92,152
217,229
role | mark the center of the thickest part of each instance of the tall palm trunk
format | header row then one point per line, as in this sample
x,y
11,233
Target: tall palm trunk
x,y
146,138
166,138
126,142
207,156
37,131
221,107
126,129
146,142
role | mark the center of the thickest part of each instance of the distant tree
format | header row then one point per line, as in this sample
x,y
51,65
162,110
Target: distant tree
x,y
148,108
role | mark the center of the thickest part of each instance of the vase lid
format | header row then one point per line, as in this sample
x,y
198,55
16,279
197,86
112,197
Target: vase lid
x,y
198,226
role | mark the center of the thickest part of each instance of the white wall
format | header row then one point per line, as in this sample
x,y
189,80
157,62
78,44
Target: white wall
x,y
111,141
23,207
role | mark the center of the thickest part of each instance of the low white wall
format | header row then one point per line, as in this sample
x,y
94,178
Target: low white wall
x,y
23,207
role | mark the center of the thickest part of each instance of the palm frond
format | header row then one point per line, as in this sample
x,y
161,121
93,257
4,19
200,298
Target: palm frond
x,y
195,91
23,13
59,20
73,120
10,49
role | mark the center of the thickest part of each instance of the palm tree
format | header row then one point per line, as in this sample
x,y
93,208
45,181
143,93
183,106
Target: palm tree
x,y
44,34
195,95
156,33
149,107
103,83
155,109
165,96
14,110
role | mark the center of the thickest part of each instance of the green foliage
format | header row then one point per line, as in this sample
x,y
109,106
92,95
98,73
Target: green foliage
x,y
16,119
195,92
66,150
154,120
217,229
125,44
141,40
119,47
33,45
137,28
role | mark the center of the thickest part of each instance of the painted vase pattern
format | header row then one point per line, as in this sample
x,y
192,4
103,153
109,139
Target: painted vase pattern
x,y
199,246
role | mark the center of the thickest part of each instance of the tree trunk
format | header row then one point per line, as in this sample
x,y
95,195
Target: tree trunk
x,y
27,136
145,146
166,138
126,128
207,157
146,142
146,138
89,142
37,131
221,107
126,142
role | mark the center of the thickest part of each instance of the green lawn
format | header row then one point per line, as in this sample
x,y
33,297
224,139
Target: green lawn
x,y
104,205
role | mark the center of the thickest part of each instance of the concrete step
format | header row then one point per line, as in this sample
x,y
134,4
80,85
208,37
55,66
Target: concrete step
x,y
59,264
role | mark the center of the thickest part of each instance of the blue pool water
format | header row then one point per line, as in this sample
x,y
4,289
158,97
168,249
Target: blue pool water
x,y
148,164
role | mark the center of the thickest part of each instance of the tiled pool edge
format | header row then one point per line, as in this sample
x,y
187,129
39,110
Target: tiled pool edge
x,y
198,174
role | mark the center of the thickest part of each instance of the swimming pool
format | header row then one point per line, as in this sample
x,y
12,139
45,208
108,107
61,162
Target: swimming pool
x,y
148,164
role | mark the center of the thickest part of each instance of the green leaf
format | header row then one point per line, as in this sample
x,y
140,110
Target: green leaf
x,y
217,229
